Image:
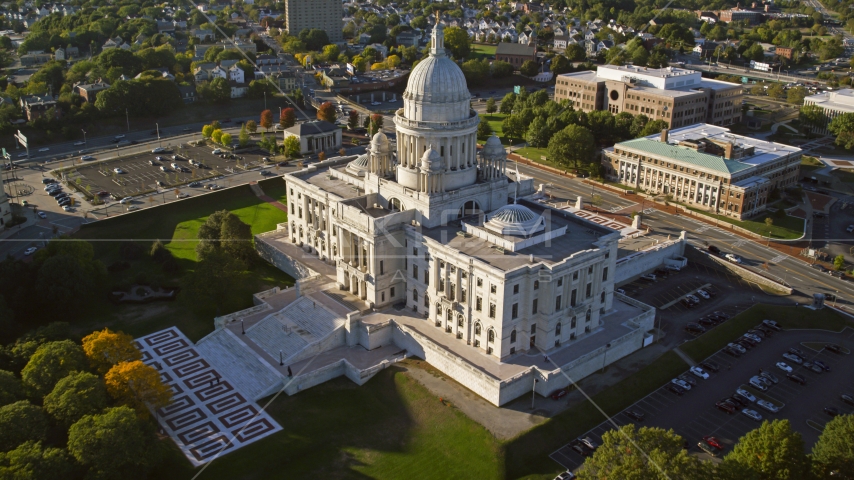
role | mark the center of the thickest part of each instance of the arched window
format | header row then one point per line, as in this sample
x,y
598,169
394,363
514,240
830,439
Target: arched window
x,y
588,315
395,206
438,311
513,336
460,321
427,300
557,329
490,335
414,295
450,315
477,328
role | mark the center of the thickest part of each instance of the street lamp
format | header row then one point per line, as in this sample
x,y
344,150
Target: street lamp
x,y
127,119
265,100
159,144
84,136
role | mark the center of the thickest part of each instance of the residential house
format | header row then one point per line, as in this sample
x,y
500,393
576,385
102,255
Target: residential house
x,y
236,74
515,54
408,39
35,106
188,93
204,35
238,90
35,59
560,42
89,91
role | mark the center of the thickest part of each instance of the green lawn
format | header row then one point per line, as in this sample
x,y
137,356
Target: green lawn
x,y
479,51
176,225
527,455
787,228
494,120
389,428
789,317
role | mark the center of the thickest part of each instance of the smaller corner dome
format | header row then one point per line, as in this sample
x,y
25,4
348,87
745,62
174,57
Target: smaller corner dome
x,y
514,219
379,138
359,165
493,148
431,160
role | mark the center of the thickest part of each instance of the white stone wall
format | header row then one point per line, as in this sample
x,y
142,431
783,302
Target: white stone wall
x,y
636,264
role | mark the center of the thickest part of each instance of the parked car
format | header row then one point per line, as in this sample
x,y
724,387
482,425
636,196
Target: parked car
x,y
118,170
636,416
847,399
126,200
832,411
770,376
772,325
158,150
30,251
589,443
784,367
744,393
710,366
752,414
722,314
558,394
815,368
703,294
714,249
732,352
798,352
754,337
648,277
675,389
695,328
823,365
737,347
767,406
86,158
725,406
681,383
733,258
755,382
709,450
581,450
793,358
796,378
42,215
738,400
699,372
832,347
713,442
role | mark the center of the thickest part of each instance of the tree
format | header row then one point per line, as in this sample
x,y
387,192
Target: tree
x,y
776,91
560,65
207,130
78,394
225,139
353,120
114,444
326,112
224,231
457,42
314,39
832,452
575,52
507,103
571,146
769,222
288,118
215,91
501,69
216,136
839,262
796,95
291,146
251,126
772,451
491,107
529,68
843,127
266,120
32,461
376,124
360,63
514,127
647,453
812,116
211,285
11,389
243,138
653,127
484,130
538,133
52,362
393,61
106,348
19,422
475,71
138,386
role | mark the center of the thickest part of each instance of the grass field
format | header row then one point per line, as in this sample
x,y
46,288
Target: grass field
x,y
789,317
494,120
479,51
390,428
787,228
176,225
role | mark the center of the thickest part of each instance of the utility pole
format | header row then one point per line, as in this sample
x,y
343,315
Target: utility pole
x,y
127,119
84,136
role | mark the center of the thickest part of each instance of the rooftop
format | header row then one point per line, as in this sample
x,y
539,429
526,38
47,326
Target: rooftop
x,y
320,178
505,48
842,101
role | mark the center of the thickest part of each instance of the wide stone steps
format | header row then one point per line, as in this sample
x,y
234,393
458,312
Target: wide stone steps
x,y
270,335
313,317
238,363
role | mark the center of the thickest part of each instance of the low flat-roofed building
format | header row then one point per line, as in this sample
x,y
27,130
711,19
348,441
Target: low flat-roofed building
x,y
834,104
706,166
678,96
315,137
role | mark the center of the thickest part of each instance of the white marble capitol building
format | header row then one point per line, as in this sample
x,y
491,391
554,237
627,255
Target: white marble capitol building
x,y
445,254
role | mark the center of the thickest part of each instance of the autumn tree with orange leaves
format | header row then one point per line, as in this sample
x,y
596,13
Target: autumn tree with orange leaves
x,y
266,119
327,112
106,348
137,385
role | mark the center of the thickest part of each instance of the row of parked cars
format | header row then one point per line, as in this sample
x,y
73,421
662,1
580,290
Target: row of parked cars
x,y
751,338
54,189
707,322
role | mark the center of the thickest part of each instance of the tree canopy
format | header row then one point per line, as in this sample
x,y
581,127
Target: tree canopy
x,y
834,452
772,451
138,386
33,461
78,394
19,422
106,348
224,231
52,362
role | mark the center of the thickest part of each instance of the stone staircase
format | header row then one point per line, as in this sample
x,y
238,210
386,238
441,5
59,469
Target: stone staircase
x,y
249,374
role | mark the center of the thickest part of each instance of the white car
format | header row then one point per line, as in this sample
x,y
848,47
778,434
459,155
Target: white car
x,y
752,414
376,103
793,358
42,215
699,372
738,348
703,294
693,298
216,151
158,150
620,291
755,338
784,367
126,200
758,384
132,207
768,406
681,383
118,170
68,208
77,144
648,276
119,137
30,251
733,258
45,149
744,393
87,157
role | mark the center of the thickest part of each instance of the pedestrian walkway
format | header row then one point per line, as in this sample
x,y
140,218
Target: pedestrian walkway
x,y
208,415
259,192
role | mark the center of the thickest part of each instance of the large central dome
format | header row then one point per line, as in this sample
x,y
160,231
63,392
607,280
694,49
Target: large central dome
x,y
437,90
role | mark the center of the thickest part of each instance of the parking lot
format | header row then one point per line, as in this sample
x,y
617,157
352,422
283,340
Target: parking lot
x,y
694,414
142,173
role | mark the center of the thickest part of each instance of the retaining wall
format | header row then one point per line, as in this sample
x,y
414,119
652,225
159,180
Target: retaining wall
x,y
742,272
281,261
638,263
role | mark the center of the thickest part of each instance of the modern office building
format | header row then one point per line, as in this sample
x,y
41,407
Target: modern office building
x,y
833,104
326,15
678,96
706,166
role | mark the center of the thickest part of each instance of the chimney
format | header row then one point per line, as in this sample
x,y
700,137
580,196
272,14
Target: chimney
x,y
728,150
664,136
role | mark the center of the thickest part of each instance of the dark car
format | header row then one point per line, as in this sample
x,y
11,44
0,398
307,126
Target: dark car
x,y
812,366
823,365
637,416
722,314
581,450
847,399
687,303
732,352
796,378
675,389
740,399
758,332
707,322
726,407
55,192
710,366
772,325
714,249
832,411
558,394
820,268
798,352
743,343
694,328
711,291
833,348
749,340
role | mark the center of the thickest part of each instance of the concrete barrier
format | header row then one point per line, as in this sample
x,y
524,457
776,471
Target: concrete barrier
x,y
743,272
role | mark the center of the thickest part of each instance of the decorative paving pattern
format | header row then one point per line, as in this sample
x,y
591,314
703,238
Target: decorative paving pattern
x,y
208,416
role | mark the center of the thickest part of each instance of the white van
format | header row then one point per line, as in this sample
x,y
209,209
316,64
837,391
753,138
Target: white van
x,y
216,151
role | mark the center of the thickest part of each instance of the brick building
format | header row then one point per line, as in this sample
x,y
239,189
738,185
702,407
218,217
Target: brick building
x,y
515,53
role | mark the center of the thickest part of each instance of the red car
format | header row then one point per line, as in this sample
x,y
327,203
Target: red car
x,y
558,394
103,193
725,407
713,442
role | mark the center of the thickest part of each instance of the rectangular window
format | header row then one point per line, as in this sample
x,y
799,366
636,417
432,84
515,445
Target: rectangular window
x,y
426,277
391,292
463,295
514,311
557,303
414,252
441,285
478,304
515,289
382,269
534,306
492,289
589,289
572,298
605,274
491,310
415,272
536,284
560,282
574,276
533,329
479,282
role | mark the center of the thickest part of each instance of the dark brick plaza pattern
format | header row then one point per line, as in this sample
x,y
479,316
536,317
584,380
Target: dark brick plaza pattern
x,y
208,417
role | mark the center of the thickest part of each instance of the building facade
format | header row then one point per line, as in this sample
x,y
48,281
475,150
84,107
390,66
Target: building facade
x,y
515,53
316,137
326,15
706,166
434,224
677,96
833,104
5,210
